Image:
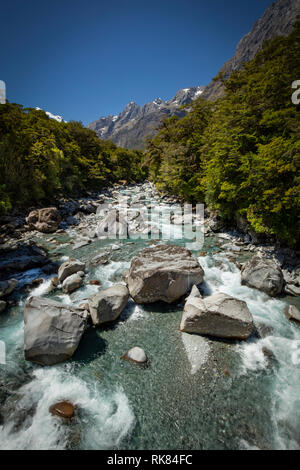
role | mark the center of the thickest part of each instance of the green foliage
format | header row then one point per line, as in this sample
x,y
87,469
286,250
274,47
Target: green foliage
x,y
41,158
241,155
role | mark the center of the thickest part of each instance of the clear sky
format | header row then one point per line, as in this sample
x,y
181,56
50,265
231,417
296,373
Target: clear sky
x,y
85,58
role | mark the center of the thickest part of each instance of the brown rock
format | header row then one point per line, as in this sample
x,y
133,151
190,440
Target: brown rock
x,y
44,220
63,409
95,282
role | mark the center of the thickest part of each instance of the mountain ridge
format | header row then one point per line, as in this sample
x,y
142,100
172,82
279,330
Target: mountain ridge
x,y
135,123
277,20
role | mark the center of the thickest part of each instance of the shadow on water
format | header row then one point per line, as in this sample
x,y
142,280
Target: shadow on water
x,y
91,346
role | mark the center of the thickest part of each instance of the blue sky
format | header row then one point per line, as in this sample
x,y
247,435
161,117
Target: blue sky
x,y
86,58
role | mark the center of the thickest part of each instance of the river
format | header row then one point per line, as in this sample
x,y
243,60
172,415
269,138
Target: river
x,y
197,393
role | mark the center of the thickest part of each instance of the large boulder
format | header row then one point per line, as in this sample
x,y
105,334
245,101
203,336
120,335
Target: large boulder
x,y
163,272
7,287
44,220
107,305
52,330
72,283
263,274
70,267
218,315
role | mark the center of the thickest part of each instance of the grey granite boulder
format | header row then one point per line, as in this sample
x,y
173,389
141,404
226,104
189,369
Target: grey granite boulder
x,y
52,330
72,283
107,305
163,272
263,274
218,315
70,267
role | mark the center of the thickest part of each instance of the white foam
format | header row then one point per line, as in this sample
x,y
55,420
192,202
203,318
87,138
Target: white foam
x,y
104,419
107,273
283,343
133,312
42,289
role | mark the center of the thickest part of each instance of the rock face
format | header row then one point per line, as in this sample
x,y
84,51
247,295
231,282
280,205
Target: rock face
x,y
278,20
52,330
218,315
44,220
292,313
163,272
21,258
263,274
70,267
7,287
136,355
107,305
130,128
72,283
63,409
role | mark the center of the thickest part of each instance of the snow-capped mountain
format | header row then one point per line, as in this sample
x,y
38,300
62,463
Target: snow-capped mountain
x,y
130,128
52,116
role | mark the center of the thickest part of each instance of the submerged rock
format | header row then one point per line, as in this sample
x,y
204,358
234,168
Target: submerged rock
x,y
63,409
52,330
292,313
70,267
218,315
7,287
3,306
44,220
95,282
163,272
107,305
263,274
136,355
81,244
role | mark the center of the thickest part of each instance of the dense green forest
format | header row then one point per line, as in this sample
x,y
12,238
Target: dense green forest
x,y
241,155
41,159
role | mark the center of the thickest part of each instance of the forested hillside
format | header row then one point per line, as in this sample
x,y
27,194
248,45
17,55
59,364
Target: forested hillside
x,y
241,154
41,159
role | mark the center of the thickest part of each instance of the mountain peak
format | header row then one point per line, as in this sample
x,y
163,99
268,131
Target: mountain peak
x,y
131,127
